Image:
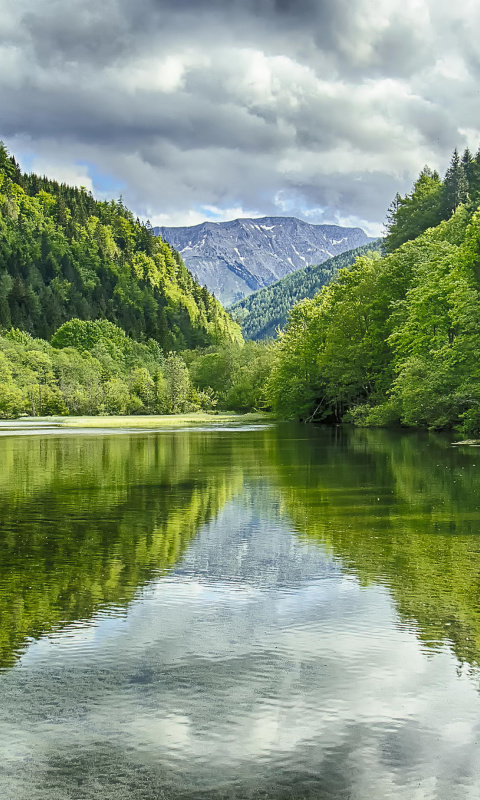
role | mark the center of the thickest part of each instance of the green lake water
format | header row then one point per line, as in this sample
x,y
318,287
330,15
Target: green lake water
x,y
268,611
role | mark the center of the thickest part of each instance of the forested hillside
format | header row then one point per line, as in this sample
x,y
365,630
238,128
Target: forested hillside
x,y
65,255
261,313
396,339
393,339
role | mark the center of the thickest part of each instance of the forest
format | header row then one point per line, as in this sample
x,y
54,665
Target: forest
x,y
92,367
395,340
65,255
264,312
98,316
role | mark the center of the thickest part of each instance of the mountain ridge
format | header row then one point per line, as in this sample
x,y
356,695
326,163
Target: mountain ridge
x,y
65,255
263,311
237,257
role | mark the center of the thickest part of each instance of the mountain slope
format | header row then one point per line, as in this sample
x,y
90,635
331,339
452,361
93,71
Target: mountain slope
x,y
261,313
236,258
64,255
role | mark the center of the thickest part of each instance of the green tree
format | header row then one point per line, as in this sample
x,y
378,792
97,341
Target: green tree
x,y
64,256
178,385
412,214
455,186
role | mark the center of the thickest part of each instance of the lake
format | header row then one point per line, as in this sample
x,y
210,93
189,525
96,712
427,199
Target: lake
x,y
264,611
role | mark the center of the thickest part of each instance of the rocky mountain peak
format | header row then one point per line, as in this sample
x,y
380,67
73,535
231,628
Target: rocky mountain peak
x,y
235,258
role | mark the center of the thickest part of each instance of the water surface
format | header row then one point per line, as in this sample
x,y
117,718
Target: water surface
x,y
278,612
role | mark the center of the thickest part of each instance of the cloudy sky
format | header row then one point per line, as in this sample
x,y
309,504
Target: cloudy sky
x,y
213,109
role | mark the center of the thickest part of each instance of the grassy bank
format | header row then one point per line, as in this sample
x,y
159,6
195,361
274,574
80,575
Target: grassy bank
x,y
143,422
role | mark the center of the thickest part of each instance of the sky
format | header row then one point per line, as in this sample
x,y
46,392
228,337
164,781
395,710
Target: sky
x,y
217,109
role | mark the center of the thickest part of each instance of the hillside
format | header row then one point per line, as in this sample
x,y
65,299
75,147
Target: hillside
x,y
64,255
261,313
234,259
396,339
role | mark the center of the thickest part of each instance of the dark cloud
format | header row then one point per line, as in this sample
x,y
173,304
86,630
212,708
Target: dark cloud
x,y
240,104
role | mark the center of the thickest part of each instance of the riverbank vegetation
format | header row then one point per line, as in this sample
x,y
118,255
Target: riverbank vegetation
x,y
396,339
393,339
91,368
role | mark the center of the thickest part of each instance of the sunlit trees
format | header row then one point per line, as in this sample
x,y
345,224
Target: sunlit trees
x,y
412,214
392,340
64,255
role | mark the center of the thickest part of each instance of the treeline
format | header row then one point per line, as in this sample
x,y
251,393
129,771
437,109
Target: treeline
x,y
432,200
93,368
397,339
391,340
263,312
65,255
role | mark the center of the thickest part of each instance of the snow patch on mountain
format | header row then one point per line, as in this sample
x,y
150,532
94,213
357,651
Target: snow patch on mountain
x,y
238,257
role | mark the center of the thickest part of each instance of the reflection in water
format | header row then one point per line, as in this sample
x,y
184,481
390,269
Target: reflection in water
x,y
401,510
86,521
286,613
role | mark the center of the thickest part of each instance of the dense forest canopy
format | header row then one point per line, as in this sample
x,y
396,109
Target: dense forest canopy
x,y
396,339
93,368
262,313
431,201
65,255
392,339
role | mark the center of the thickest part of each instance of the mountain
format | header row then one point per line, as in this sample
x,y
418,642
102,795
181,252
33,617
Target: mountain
x,y
65,255
261,313
234,259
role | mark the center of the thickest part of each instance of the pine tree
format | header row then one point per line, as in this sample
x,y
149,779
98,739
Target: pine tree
x,y
455,185
8,165
474,180
412,214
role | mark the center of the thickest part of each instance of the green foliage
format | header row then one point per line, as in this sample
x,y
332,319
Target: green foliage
x,y
236,375
333,353
432,200
455,184
409,216
94,368
64,255
391,340
84,335
105,373
262,313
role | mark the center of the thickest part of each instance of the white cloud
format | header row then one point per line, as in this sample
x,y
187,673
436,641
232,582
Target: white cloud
x,y
73,174
206,213
228,110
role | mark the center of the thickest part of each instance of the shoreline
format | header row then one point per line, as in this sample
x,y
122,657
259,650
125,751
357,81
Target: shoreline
x,y
130,422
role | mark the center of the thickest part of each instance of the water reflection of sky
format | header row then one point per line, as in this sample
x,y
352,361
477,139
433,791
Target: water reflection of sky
x,y
254,669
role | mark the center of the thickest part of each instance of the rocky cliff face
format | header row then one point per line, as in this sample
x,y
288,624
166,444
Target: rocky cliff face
x,y
236,258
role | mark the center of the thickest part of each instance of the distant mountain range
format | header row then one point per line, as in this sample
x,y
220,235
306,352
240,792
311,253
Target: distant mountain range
x,y
234,259
261,313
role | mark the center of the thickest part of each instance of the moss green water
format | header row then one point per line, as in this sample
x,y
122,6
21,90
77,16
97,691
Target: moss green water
x,y
245,611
